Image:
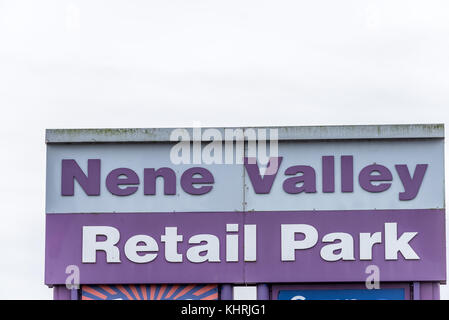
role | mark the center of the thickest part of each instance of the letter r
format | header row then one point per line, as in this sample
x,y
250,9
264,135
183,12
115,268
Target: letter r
x,y
91,245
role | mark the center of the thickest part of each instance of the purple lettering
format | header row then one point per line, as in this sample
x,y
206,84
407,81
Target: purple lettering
x,y
328,174
347,174
188,180
114,181
71,171
261,185
366,178
411,185
308,180
149,178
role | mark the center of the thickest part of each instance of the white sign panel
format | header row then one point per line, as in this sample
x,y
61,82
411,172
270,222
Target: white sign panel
x,y
311,175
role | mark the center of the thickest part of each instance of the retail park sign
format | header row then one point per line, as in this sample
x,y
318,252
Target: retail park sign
x,y
205,247
322,211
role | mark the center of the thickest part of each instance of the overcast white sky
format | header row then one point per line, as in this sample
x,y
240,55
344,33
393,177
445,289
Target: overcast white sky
x,y
81,64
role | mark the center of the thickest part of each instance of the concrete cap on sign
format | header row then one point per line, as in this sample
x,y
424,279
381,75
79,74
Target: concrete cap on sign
x,y
286,133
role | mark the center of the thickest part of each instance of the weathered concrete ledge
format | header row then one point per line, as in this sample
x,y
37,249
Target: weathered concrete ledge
x,y
347,132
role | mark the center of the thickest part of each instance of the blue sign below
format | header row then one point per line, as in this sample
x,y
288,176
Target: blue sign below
x,y
343,294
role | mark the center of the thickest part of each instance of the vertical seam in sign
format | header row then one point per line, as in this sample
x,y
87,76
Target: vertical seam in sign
x,y
244,206
243,171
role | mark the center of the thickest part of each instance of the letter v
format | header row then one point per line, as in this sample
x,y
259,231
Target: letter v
x,y
262,185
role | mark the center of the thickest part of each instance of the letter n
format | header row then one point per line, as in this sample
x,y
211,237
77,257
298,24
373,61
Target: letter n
x,y
71,171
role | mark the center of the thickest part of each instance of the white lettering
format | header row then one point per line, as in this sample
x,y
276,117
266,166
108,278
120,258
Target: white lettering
x,y
393,245
91,245
132,247
171,239
345,247
288,243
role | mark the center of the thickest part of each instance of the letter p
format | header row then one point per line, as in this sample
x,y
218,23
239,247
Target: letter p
x,y
289,244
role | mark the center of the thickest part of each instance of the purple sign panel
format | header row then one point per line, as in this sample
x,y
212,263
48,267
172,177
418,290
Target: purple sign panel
x,y
251,247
